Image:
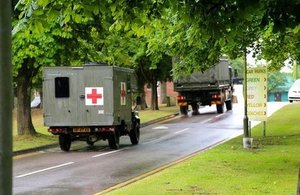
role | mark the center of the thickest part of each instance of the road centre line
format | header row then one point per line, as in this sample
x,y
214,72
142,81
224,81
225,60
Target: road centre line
x,y
165,137
212,118
66,164
180,131
106,153
219,115
207,120
177,132
46,169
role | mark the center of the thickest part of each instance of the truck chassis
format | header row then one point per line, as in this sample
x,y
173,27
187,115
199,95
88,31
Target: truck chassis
x,y
217,96
92,134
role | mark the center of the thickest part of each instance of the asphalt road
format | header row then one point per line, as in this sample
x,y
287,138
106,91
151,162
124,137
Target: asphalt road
x,y
88,170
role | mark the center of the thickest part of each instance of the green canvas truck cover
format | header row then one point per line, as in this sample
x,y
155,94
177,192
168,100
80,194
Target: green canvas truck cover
x,y
216,76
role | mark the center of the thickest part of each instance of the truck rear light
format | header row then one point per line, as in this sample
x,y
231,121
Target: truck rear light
x,y
180,98
104,129
216,96
215,102
182,104
56,130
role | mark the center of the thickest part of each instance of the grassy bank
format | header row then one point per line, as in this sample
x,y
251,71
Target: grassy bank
x,y
45,138
270,167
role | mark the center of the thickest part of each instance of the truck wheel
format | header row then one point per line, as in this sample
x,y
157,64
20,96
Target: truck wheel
x,y
220,108
113,140
64,142
183,110
134,134
228,105
195,108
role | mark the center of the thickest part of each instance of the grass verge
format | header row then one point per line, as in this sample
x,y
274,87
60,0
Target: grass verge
x,y
269,167
149,115
43,137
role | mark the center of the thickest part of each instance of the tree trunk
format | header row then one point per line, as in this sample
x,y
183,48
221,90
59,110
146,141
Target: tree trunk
x,y
143,103
24,121
163,94
154,98
141,91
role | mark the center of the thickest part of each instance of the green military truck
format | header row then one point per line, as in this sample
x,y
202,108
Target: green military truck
x,y
213,86
90,103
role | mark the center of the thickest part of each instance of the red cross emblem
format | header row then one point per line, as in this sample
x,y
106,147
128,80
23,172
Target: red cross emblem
x,y
123,93
94,96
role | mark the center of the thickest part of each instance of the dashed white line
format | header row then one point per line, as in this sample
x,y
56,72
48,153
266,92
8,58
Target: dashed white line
x,y
219,115
66,164
46,169
160,127
177,132
103,154
166,136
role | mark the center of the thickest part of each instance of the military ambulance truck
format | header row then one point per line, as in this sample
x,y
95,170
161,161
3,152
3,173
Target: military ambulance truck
x,y
213,86
90,103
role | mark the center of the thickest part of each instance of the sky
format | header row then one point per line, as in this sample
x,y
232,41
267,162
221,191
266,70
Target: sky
x,y
252,61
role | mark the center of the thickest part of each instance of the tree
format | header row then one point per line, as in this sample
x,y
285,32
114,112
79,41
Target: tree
x,y
195,32
296,70
152,75
31,52
276,79
57,38
238,66
206,29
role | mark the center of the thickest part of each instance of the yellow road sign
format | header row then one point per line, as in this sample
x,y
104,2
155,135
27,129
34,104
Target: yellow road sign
x,y
257,93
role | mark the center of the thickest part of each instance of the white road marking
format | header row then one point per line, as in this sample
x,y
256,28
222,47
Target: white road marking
x,y
212,118
177,132
151,141
166,136
103,154
207,120
219,115
160,127
43,170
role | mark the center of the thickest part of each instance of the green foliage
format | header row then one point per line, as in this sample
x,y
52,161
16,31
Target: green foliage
x,y
40,47
296,71
194,33
276,79
278,47
197,33
238,65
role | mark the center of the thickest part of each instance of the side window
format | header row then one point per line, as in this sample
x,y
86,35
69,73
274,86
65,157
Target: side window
x,y
62,87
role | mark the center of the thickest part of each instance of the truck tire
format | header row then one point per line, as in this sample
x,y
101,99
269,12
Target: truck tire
x,y
113,140
220,108
228,105
195,108
134,134
64,141
183,110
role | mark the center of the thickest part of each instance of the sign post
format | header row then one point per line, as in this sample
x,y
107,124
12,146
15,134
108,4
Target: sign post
x,y
246,119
